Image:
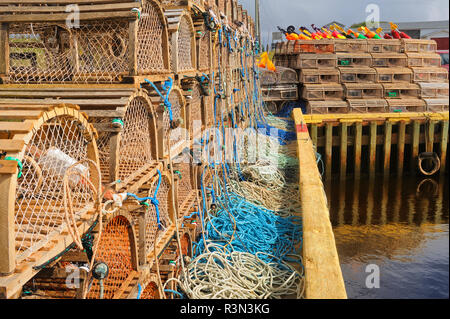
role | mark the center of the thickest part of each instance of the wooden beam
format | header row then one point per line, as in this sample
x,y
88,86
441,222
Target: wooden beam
x,y
4,49
61,17
8,184
430,136
323,275
132,47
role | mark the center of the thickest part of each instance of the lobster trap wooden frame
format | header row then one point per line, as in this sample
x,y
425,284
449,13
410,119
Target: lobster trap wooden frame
x,y
437,105
357,75
204,48
394,75
401,90
354,60
124,118
384,46
425,60
363,91
193,93
418,45
282,75
320,76
433,90
183,50
34,234
313,61
115,41
367,105
327,107
429,74
288,92
307,46
322,92
117,248
351,45
169,134
406,105
389,60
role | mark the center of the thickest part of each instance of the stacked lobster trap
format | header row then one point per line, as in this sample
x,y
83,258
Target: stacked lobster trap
x,y
367,75
95,117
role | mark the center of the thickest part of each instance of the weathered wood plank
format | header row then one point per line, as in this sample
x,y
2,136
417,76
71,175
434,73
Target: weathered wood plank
x,y
401,147
322,268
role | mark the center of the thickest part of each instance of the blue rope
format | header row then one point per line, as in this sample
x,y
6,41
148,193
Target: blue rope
x,y
153,199
167,87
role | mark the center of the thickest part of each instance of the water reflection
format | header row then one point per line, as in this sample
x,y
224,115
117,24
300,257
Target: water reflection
x,y
399,224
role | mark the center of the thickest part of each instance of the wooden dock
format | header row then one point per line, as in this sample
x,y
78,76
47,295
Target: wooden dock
x,y
323,272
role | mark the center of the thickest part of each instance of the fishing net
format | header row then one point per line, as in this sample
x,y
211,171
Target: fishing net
x,y
115,250
39,211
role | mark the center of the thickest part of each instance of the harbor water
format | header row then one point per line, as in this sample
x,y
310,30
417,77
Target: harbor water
x,y
392,236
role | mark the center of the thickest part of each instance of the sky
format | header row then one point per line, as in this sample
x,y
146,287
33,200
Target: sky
x,y
321,12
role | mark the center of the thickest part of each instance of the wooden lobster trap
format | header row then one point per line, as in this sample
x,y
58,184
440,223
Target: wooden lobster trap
x,y
48,152
437,105
393,75
406,105
283,60
169,104
418,45
367,106
221,6
282,75
354,59
401,90
350,45
183,57
319,76
307,46
193,93
357,75
186,187
429,74
384,46
108,44
425,60
234,10
391,60
433,90
322,92
327,107
363,91
313,61
154,223
123,117
280,92
229,11
204,48
189,4
117,249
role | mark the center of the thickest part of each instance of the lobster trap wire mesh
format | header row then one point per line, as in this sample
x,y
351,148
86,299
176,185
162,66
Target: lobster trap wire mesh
x,y
39,211
51,53
185,49
195,111
150,36
185,183
115,250
135,143
151,291
204,54
176,105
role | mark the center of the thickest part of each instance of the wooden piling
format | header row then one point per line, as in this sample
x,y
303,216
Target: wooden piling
x,y
372,148
444,143
328,150
358,142
314,134
387,146
415,145
343,158
401,147
429,137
